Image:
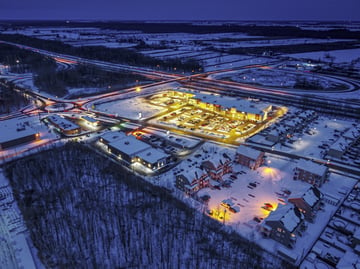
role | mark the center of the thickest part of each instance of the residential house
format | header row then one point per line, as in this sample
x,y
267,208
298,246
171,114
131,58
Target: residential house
x,y
249,157
308,201
311,172
284,225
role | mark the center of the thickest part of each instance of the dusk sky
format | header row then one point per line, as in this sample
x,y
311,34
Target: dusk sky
x,y
347,10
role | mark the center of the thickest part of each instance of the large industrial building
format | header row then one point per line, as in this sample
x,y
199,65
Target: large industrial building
x,y
132,150
14,133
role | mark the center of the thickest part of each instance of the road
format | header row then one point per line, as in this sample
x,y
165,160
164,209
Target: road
x,y
195,81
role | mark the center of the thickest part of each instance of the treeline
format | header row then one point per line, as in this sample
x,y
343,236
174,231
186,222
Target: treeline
x,y
43,68
251,28
22,61
10,100
114,55
84,211
49,78
295,48
85,76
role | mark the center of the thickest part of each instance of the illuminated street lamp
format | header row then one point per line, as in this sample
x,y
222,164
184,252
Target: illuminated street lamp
x,y
138,89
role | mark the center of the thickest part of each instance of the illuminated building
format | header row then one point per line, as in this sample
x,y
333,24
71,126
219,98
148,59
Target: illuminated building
x,y
249,157
191,185
90,121
63,125
216,172
283,224
131,150
307,201
236,109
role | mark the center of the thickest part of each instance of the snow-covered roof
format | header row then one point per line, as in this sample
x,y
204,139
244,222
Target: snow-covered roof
x,y
89,119
314,168
241,105
340,145
248,152
193,173
311,195
352,133
130,145
113,136
209,165
288,215
152,155
274,132
62,122
14,129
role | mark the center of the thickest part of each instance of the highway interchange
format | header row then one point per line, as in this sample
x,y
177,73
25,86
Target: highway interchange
x,y
199,81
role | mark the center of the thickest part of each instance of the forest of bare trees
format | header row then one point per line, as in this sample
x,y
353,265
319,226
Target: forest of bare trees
x,y
84,211
11,100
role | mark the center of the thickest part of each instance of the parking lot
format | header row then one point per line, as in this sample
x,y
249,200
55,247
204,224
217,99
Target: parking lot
x,y
202,122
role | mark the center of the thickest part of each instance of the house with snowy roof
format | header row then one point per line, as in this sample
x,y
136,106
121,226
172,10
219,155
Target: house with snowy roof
x,y
353,133
307,200
217,171
311,172
338,149
249,157
191,183
284,224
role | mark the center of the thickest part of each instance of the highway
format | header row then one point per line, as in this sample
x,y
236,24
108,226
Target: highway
x,y
201,81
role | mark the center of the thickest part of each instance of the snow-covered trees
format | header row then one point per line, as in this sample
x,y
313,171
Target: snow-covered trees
x,y
83,211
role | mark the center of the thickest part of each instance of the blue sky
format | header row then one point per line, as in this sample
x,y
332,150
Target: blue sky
x,y
347,10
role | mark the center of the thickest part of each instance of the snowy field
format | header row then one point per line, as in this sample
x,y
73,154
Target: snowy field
x,y
269,42
131,104
129,108
15,251
340,56
281,78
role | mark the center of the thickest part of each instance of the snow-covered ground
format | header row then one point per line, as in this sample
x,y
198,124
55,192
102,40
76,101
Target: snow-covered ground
x,y
15,252
269,42
282,78
340,56
270,179
129,108
131,104
323,130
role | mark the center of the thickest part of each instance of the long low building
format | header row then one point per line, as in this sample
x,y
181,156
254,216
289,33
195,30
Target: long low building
x,y
132,150
311,172
64,125
14,133
241,109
